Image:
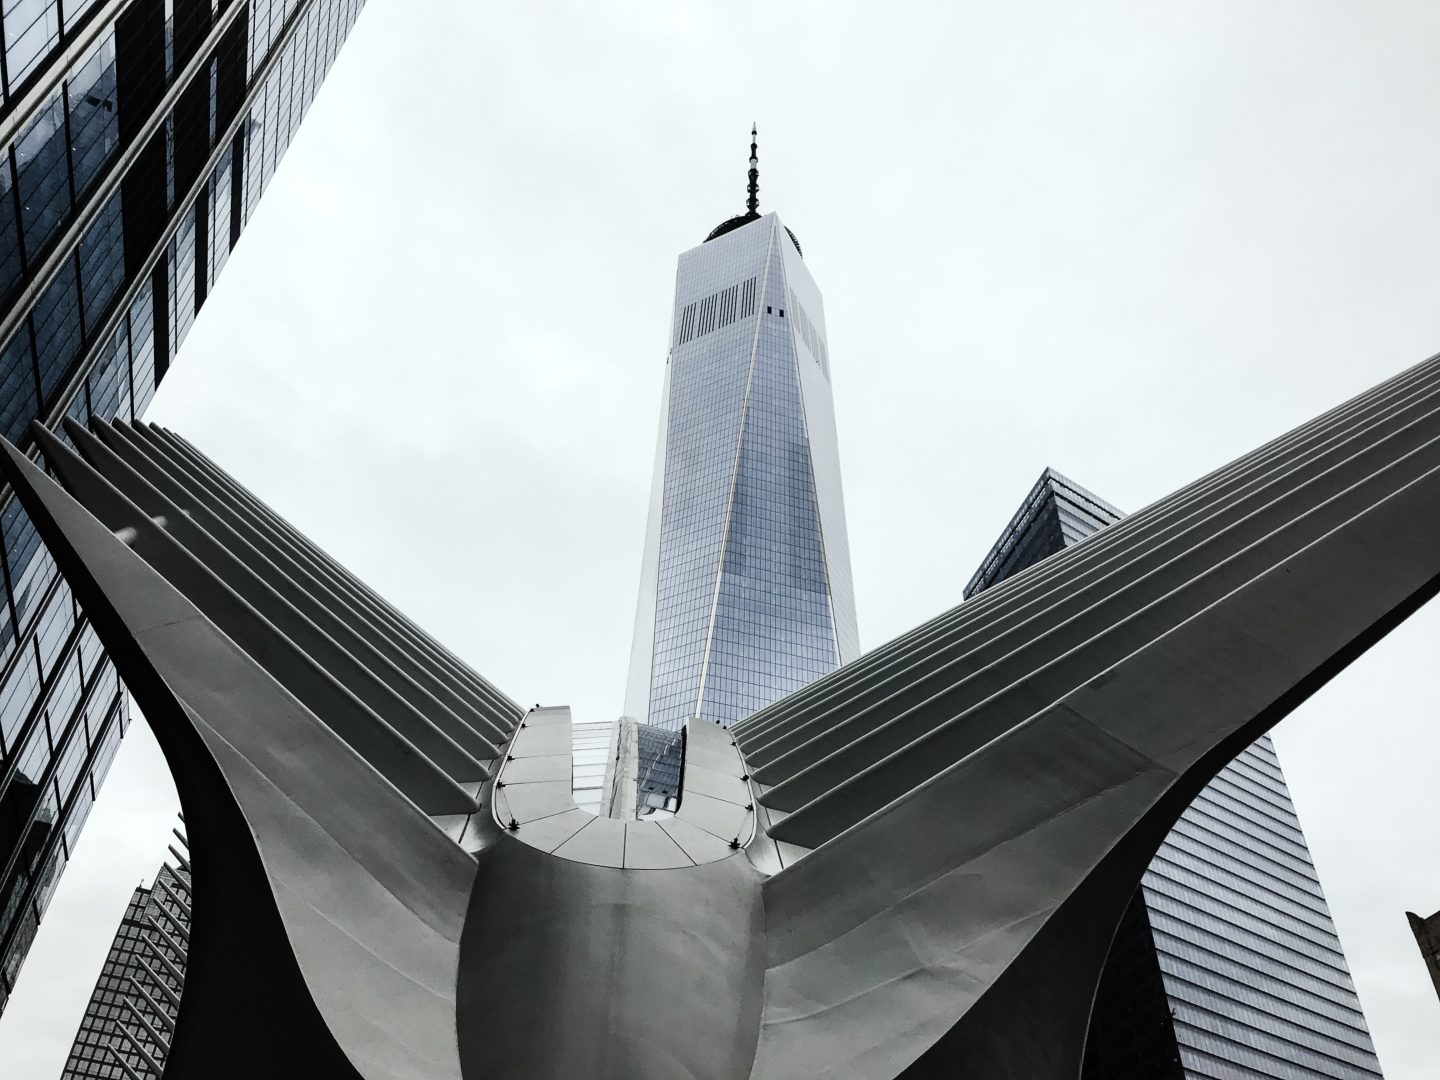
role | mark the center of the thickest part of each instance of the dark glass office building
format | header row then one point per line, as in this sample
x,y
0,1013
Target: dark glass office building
x,y
1226,966
1427,936
125,1031
138,137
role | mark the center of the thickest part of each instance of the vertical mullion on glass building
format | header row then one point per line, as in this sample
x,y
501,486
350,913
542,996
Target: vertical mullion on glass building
x,y
1226,965
138,136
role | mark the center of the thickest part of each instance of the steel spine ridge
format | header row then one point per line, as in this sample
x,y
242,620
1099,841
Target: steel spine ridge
x,y
319,561
1015,859
393,635
878,784
394,644
752,733
954,623
386,630
1068,661
302,553
1050,567
349,891
750,730
278,536
871,763
500,708
1003,869
425,765
308,624
126,465
783,751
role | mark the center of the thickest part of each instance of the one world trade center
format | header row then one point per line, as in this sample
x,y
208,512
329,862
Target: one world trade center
x,y
745,591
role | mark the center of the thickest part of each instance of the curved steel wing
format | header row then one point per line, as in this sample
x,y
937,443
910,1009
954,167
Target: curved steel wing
x,y
913,867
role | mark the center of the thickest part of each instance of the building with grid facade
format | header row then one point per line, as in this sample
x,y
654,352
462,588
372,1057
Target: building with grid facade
x,y
1226,965
138,136
745,587
124,1033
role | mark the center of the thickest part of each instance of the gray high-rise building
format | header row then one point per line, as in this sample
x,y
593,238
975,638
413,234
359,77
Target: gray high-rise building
x,y
138,136
1427,936
745,589
128,1021
1226,963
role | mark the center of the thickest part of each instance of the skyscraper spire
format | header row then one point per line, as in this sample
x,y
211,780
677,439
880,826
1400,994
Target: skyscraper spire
x,y
752,198
745,588
752,202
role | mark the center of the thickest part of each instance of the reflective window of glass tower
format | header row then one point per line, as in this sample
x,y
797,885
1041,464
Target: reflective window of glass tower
x,y
1226,963
138,136
745,588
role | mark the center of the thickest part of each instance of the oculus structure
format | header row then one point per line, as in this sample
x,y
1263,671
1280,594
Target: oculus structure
x,y
912,866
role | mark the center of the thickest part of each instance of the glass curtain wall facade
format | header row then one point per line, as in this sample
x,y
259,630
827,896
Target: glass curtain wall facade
x,y
745,588
1226,966
590,752
138,136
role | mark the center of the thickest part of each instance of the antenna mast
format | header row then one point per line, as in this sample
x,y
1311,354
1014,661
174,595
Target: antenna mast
x,y
752,203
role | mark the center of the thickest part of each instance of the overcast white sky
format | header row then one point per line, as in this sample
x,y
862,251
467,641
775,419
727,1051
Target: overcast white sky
x,y
1129,240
